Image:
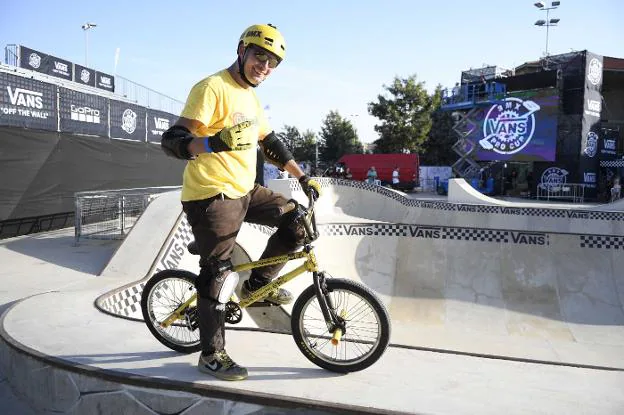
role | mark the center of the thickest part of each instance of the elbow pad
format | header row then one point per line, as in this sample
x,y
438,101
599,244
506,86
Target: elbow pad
x,y
275,151
175,141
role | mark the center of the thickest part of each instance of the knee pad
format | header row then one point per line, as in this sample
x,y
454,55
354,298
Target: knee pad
x,y
217,281
291,230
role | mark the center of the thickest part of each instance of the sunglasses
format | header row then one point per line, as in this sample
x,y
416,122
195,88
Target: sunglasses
x,y
263,57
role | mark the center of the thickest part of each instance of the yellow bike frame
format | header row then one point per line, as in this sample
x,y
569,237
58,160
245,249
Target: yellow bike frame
x,y
310,265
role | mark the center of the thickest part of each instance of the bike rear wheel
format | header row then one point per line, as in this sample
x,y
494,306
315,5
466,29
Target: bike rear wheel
x,y
367,327
164,292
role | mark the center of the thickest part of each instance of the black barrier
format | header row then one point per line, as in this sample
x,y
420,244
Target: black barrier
x,y
157,123
83,113
127,121
84,75
104,81
47,64
27,103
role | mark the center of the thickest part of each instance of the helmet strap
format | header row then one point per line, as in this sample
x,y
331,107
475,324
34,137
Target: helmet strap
x,y
241,68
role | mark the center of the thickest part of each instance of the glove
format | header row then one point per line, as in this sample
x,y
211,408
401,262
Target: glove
x,y
229,139
310,187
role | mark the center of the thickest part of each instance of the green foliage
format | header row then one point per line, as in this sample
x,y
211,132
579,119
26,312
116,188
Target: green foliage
x,y
437,150
337,138
405,116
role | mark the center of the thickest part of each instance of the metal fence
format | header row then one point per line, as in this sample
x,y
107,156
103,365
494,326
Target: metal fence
x,y
111,214
574,192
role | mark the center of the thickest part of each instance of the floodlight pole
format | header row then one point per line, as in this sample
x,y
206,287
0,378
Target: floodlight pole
x,y
540,5
85,28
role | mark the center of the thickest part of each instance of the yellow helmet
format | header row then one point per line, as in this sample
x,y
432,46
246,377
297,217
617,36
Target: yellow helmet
x,y
265,36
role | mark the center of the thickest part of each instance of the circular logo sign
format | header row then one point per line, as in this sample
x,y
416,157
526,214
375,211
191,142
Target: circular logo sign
x,y
591,144
553,177
34,60
128,121
85,76
509,126
594,71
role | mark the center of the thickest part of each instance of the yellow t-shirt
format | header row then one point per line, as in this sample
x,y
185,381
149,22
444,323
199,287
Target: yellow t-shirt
x,y
219,102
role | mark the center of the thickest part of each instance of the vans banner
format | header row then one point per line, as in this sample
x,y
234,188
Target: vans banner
x,y
590,125
127,121
157,123
83,113
27,103
104,81
47,64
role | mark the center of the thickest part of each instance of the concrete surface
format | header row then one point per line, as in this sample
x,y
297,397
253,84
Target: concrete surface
x,y
471,308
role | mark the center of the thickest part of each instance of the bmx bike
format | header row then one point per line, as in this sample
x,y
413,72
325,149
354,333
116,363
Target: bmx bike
x,y
338,324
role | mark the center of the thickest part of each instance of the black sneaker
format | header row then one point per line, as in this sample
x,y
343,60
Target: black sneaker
x,y
221,366
279,296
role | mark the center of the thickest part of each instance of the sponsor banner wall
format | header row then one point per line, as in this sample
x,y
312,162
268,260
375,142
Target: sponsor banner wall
x,y
590,125
83,113
84,75
522,127
157,123
47,64
127,121
104,81
27,103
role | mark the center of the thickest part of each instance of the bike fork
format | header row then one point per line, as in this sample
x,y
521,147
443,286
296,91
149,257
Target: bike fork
x,y
335,324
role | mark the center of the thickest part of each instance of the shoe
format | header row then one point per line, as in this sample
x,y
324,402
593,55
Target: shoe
x,y
221,366
279,296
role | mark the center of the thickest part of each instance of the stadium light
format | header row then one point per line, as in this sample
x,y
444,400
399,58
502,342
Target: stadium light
x,y
548,22
85,28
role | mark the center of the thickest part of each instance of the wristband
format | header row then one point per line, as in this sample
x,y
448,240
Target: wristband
x,y
207,145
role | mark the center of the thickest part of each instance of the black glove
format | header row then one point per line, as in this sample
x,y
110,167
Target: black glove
x,y
175,141
310,187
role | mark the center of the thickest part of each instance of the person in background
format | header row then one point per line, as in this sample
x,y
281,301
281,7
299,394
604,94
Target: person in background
x,y
371,175
395,177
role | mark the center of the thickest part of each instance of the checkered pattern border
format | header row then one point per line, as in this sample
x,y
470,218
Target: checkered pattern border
x,y
602,241
124,303
481,235
446,206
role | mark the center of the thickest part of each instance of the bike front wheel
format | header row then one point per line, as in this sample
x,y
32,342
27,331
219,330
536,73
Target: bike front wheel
x,y
367,327
164,292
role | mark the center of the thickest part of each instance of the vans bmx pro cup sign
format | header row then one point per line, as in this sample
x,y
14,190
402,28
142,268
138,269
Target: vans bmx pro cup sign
x,y
520,127
509,126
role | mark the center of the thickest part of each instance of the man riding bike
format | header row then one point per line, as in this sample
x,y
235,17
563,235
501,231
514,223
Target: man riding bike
x,y
217,132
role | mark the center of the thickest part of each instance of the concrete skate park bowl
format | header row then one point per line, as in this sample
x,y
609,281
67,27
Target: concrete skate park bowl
x,y
523,283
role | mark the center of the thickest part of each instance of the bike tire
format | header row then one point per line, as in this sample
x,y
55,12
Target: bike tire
x,y
314,346
180,338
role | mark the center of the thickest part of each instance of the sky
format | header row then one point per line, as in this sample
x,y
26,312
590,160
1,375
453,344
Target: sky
x,y
339,56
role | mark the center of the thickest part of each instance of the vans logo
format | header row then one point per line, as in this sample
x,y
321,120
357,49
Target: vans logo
x,y
578,215
105,80
466,208
366,230
589,177
161,123
609,144
529,238
594,107
60,66
25,98
433,232
511,211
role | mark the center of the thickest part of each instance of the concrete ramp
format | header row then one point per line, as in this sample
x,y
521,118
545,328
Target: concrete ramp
x,y
519,283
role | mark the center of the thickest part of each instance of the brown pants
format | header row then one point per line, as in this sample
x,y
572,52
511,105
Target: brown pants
x,y
216,223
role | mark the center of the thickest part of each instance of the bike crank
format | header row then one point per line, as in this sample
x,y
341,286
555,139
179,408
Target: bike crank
x,y
233,313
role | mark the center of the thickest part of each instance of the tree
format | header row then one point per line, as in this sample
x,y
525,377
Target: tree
x,y
405,116
437,149
337,138
291,137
